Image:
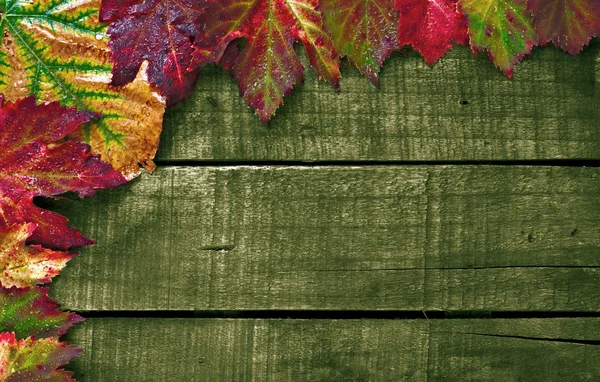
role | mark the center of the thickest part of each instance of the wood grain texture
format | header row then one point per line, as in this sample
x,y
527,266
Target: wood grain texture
x,y
461,109
378,238
497,238
337,350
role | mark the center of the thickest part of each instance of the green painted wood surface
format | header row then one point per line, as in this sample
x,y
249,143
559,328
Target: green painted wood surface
x,y
548,111
391,237
337,350
505,238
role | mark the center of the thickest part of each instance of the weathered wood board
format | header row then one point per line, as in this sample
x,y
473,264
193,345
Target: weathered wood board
x,y
500,238
393,237
461,109
337,350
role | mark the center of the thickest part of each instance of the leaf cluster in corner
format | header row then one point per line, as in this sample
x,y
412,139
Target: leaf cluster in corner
x,y
57,50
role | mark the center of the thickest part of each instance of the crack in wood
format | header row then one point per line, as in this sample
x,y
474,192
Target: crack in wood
x,y
563,340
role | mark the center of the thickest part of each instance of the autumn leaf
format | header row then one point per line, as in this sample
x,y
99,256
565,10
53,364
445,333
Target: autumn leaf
x,y
431,26
30,312
363,30
23,266
569,24
58,50
32,165
230,56
112,10
268,66
160,31
503,28
34,360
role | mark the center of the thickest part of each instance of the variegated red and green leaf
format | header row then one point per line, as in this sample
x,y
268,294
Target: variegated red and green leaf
x,y
501,27
268,66
159,31
24,266
365,31
569,24
431,26
33,165
31,359
30,312
58,50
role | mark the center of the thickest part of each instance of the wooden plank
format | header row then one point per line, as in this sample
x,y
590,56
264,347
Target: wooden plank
x,y
514,350
461,109
499,238
337,350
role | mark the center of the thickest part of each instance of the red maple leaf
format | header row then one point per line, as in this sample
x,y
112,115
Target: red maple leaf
x,y
32,165
569,24
159,31
431,26
268,66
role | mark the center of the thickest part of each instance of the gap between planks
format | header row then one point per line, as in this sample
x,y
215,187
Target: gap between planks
x,y
334,314
372,163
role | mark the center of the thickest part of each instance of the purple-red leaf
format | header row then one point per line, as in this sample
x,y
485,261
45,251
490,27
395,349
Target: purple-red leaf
x,y
366,31
112,10
32,165
159,31
268,67
30,312
569,24
34,360
431,26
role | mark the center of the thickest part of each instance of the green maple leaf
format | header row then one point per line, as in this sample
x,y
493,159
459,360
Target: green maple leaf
x,y
365,31
34,360
30,312
503,28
